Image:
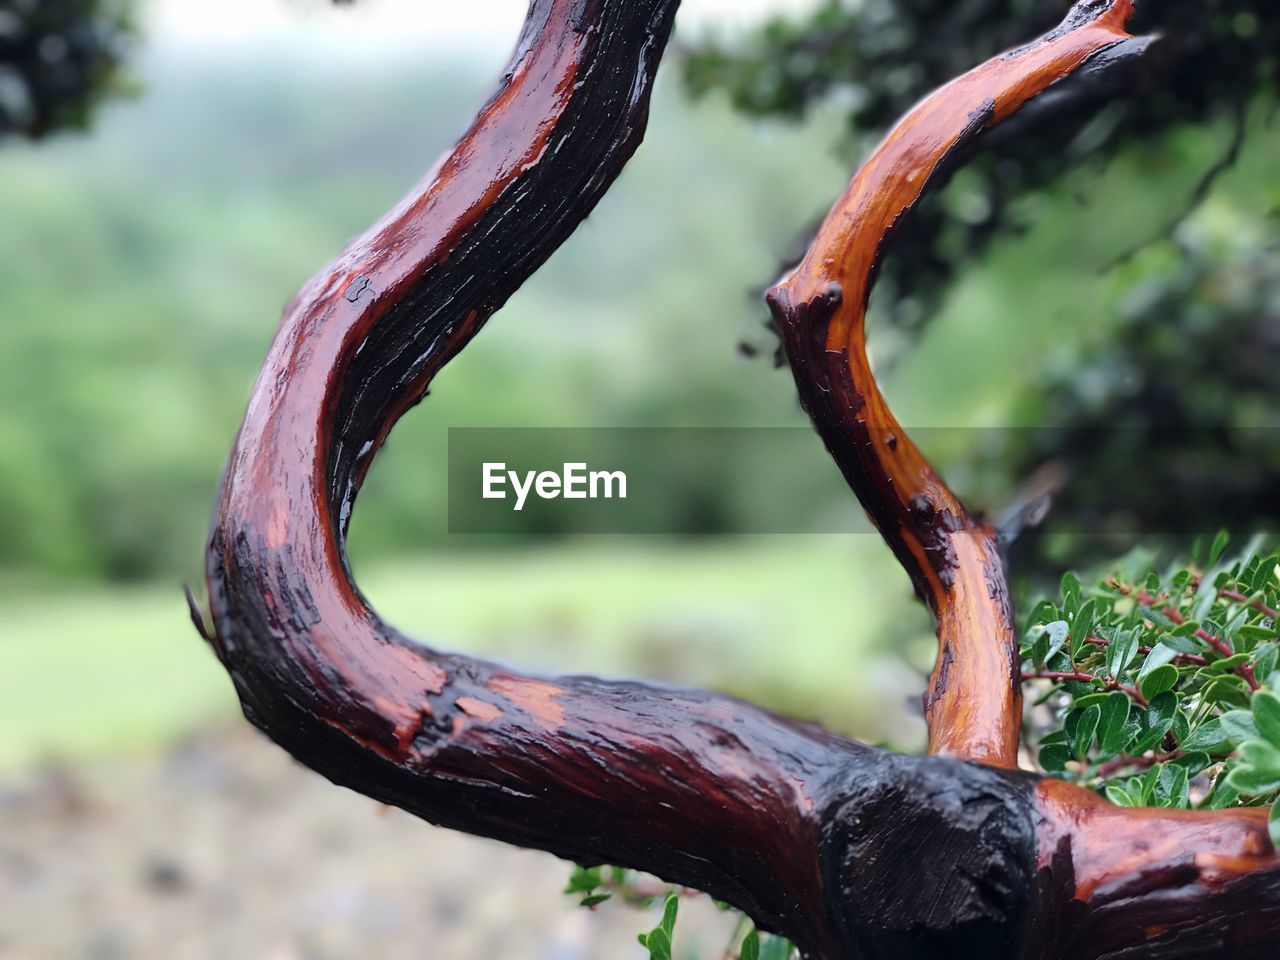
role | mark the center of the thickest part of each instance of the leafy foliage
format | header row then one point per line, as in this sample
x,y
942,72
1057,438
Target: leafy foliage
x,y
1154,691
596,885
659,940
1165,426
875,58
58,59
1160,692
1147,418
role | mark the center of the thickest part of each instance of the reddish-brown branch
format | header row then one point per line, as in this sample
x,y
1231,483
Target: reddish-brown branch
x,y
1108,682
1116,764
973,707
700,789
851,852
1179,658
1255,602
1174,615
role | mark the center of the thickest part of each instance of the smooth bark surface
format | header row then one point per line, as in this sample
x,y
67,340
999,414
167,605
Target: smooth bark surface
x,y
847,850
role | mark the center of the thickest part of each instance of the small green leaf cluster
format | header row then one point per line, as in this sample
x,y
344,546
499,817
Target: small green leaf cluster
x,y
659,940
592,885
595,885
1160,692
766,947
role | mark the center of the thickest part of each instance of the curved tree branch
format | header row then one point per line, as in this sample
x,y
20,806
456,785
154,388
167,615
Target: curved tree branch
x,y
704,790
973,707
847,850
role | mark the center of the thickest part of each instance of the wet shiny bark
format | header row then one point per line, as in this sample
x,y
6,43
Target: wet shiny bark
x,y
848,850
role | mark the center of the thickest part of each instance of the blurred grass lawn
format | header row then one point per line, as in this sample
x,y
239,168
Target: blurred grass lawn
x,y
790,621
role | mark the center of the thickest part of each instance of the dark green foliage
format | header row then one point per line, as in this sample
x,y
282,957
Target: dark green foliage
x,y
1168,424
659,940
595,885
1157,424
877,58
1160,691
58,59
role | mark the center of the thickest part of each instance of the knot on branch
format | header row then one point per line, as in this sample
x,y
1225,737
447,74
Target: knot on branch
x,y
931,858
804,322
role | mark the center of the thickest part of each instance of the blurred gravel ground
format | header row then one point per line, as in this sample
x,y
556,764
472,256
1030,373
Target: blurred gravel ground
x,y
224,848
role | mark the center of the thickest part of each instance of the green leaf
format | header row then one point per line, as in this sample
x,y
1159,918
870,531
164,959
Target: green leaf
x,y
1160,710
1060,661
1251,631
1119,796
1194,762
1082,625
1057,633
1160,654
1219,544
1266,714
1070,590
1262,755
1223,795
776,948
669,911
1086,727
750,947
584,879
595,899
658,942
1162,678
1222,734
1181,725
1171,786
1249,780
1227,688
1121,651
1229,663
1273,821
1042,613
1265,659
1181,644
1157,720
1114,730
1148,785
1054,757
1088,700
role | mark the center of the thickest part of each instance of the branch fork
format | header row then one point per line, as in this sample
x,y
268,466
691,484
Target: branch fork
x,y
847,850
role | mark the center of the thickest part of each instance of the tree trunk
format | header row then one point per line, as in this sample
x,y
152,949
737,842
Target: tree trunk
x,y
850,851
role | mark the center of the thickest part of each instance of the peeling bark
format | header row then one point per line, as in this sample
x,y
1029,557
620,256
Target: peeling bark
x,y
847,850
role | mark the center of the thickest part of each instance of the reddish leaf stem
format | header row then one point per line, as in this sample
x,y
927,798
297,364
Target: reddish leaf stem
x,y
1111,684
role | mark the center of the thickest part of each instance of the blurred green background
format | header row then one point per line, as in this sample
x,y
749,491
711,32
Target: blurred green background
x,y
143,266
144,261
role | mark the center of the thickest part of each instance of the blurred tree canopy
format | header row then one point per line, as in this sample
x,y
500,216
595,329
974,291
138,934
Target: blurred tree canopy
x,y
58,59
1147,422
1169,424
142,271
878,57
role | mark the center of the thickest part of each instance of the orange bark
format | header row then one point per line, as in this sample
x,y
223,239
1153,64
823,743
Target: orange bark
x,y
973,707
